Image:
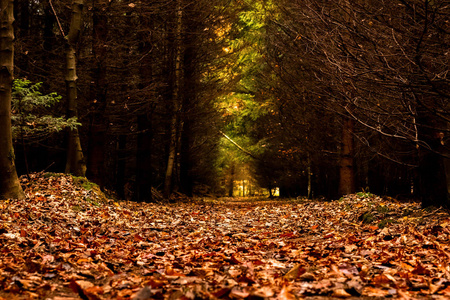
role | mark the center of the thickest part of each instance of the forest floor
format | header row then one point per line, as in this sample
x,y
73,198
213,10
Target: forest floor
x,y
68,241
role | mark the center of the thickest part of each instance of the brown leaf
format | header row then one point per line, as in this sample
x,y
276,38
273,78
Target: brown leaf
x,y
264,292
421,270
222,292
381,279
234,260
403,295
143,294
341,293
296,271
285,294
445,292
307,277
171,272
237,292
85,289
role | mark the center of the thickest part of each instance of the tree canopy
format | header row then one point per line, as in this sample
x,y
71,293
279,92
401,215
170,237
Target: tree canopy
x,y
312,97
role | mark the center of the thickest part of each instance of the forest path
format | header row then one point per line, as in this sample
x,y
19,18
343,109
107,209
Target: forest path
x,y
67,242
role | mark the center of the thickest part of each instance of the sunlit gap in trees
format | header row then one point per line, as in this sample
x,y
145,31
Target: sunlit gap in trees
x,y
242,104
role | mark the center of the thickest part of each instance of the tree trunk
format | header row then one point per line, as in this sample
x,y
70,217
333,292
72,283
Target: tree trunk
x,y
186,182
175,105
123,187
75,159
189,95
308,169
231,181
145,136
97,131
144,159
48,33
9,182
23,11
433,165
171,159
346,166
432,172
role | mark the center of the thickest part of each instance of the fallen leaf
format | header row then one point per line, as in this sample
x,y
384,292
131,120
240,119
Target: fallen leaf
x,y
341,293
293,274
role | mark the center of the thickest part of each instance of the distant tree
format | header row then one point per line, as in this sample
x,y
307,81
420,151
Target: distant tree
x,y
9,182
177,80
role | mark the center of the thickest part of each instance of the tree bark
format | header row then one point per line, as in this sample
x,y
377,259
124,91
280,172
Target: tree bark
x,y
9,182
75,160
346,167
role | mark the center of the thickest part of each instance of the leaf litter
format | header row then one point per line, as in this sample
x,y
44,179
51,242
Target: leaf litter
x,y
68,241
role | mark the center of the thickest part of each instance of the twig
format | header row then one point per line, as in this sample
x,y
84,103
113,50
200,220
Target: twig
x,y
57,19
237,145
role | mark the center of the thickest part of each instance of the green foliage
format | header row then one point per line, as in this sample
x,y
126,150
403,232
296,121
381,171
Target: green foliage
x,y
33,116
365,195
239,107
382,209
84,183
51,174
385,222
93,202
367,218
77,208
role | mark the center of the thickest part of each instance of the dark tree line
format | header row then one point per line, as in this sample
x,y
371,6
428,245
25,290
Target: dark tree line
x,y
375,71
142,96
328,97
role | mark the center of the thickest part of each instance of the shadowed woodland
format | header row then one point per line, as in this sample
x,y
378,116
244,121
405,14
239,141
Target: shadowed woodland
x,y
164,104
314,98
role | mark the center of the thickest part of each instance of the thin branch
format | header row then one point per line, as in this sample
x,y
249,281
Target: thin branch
x,y
57,19
237,145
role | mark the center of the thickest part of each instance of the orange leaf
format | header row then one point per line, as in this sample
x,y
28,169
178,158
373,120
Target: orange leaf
x,y
171,272
285,294
156,283
138,238
380,279
82,260
289,234
234,260
258,262
445,292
